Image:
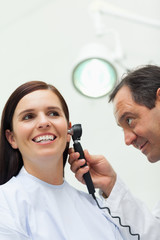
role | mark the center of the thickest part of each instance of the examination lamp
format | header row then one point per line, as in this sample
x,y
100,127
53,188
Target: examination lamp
x,y
94,74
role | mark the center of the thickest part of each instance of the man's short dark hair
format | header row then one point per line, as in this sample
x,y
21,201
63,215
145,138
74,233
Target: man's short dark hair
x,y
143,84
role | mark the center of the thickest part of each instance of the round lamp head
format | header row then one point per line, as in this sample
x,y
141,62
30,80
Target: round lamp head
x,y
94,77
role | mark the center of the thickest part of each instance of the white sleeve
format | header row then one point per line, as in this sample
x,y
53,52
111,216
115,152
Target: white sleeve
x,y
9,229
133,213
8,234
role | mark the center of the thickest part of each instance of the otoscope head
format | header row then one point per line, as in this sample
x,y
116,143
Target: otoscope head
x,y
75,131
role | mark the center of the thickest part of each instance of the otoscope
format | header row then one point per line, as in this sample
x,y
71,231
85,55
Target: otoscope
x,y
76,132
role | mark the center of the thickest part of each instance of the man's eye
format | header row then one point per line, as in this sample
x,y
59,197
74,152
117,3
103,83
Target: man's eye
x,y
129,121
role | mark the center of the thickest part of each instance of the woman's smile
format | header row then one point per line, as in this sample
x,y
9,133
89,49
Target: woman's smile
x,y
44,138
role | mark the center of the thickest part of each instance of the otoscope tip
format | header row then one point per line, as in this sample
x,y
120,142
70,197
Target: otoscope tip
x,y
70,131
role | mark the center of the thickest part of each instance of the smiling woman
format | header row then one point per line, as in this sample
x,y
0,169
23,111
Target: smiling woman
x,y
10,158
35,201
39,120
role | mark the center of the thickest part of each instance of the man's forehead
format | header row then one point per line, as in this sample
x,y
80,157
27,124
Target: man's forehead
x,y
123,92
122,97
122,102
118,110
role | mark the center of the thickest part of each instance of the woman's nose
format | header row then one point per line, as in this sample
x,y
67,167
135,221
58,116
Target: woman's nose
x,y
43,122
129,137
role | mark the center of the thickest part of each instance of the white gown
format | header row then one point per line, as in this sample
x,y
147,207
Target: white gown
x,y
31,209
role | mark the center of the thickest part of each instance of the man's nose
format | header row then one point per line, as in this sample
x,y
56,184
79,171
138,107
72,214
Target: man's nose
x,y
129,137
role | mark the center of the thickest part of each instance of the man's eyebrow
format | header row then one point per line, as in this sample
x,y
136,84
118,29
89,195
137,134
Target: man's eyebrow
x,y
121,119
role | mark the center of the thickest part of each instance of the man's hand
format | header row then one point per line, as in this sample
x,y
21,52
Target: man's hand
x,y
102,173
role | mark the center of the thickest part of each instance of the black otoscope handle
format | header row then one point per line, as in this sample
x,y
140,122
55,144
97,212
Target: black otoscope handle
x,y
87,177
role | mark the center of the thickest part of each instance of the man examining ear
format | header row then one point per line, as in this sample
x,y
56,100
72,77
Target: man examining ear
x,y
136,103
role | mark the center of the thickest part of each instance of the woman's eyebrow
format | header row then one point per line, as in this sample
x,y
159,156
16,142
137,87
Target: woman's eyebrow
x,y
54,107
32,109
26,111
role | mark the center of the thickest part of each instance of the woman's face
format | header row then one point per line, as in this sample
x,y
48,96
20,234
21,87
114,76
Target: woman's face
x,y
39,128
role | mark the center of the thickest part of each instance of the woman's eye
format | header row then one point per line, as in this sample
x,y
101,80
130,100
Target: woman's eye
x,y
28,116
54,114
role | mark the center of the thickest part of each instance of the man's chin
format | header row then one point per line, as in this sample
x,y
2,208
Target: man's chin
x,y
153,159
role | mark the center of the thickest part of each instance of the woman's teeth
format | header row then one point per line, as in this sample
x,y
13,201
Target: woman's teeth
x,y
44,138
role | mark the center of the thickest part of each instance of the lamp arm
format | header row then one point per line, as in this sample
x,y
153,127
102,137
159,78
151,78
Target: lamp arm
x,y
105,8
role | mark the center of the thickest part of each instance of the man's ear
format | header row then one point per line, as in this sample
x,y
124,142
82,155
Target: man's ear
x,y
11,139
157,101
158,94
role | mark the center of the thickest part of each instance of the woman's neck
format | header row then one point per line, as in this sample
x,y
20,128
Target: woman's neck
x,y
50,173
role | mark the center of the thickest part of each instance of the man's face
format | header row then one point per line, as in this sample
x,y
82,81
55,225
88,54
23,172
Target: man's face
x,y
140,124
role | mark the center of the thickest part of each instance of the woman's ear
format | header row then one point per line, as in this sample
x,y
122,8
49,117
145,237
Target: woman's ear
x,y
11,139
69,125
68,135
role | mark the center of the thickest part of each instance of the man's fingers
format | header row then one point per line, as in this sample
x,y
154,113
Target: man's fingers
x,y
72,157
79,174
70,150
76,164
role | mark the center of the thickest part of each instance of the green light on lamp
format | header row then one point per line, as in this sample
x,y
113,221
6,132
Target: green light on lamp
x,y
94,77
